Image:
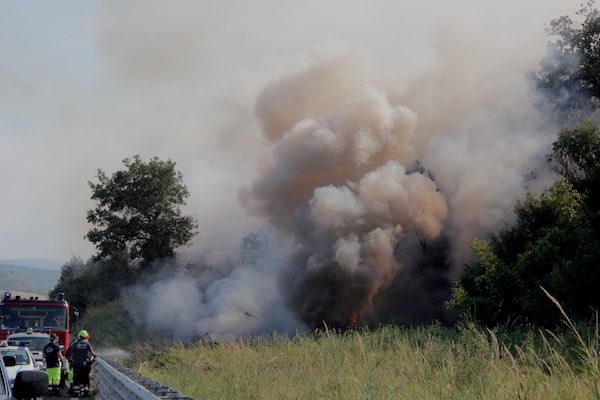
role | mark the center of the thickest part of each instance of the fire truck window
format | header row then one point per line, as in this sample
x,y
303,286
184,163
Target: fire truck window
x,y
35,317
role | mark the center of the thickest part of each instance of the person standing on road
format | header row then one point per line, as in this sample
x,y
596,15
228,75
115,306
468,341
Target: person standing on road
x,y
82,355
53,359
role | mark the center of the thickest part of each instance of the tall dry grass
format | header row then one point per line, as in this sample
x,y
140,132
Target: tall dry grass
x,y
387,363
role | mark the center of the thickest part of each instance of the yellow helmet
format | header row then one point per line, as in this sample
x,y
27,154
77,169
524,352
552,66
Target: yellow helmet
x,y
83,334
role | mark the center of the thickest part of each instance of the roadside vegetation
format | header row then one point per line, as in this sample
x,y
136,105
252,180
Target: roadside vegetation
x,y
390,362
103,320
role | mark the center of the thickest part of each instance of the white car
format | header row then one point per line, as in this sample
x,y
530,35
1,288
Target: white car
x,y
5,386
35,341
24,361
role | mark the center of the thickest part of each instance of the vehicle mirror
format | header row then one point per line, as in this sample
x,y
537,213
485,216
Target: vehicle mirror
x,y
39,363
30,384
9,361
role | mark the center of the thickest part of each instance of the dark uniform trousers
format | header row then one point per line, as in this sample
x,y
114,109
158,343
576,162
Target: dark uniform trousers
x,y
81,374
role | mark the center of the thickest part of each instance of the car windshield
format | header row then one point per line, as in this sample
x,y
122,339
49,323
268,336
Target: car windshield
x,y
34,316
34,343
21,356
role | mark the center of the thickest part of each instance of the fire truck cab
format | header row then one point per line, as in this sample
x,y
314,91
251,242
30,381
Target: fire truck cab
x,y
19,314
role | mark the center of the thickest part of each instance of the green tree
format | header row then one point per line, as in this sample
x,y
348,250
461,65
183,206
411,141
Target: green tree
x,y
569,74
576,153
90,283
138,214
75,282
553,244
483,290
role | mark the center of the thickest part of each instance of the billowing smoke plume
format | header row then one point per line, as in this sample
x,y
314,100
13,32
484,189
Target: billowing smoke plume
x,y
323,147
337,184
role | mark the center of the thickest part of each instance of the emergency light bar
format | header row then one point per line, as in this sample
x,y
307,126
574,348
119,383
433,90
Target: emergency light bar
x,y
21,343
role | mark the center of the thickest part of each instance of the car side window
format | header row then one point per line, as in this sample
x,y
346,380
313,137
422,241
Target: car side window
x,y
2,383
22,359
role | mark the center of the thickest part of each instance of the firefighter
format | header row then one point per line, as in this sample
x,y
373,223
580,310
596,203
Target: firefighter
x,y
53,358
82,356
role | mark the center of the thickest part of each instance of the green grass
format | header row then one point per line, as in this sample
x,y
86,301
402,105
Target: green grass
x,y
387,363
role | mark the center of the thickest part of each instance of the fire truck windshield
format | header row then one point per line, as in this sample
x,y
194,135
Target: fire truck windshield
x,y
36,317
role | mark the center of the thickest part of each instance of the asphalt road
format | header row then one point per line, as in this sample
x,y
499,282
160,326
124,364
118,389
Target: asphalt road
x,y
65,396
93,393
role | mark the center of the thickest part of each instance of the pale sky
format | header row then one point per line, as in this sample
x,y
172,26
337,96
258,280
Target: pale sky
x,y
84,84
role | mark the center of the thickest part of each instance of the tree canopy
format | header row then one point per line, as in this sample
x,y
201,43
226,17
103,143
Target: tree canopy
x,y
87,284
554,244
569,74
138,212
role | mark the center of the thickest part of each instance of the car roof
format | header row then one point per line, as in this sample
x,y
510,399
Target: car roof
x,y
26,335
14,348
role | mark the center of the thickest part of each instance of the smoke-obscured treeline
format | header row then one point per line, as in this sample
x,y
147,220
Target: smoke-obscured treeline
x,y
364,224
555,241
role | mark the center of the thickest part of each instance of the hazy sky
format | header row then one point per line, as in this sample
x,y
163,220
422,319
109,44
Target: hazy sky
x,y
84,84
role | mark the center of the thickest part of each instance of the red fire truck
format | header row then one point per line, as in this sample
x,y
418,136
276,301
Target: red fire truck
x,y
19,314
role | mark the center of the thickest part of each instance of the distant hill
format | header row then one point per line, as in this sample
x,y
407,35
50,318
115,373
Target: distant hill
x,y
40,263
24,279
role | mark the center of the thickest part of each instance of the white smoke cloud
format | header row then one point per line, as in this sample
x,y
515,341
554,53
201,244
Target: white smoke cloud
x,y
222,300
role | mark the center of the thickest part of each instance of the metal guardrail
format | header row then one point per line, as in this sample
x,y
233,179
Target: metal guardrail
x,y
117,382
